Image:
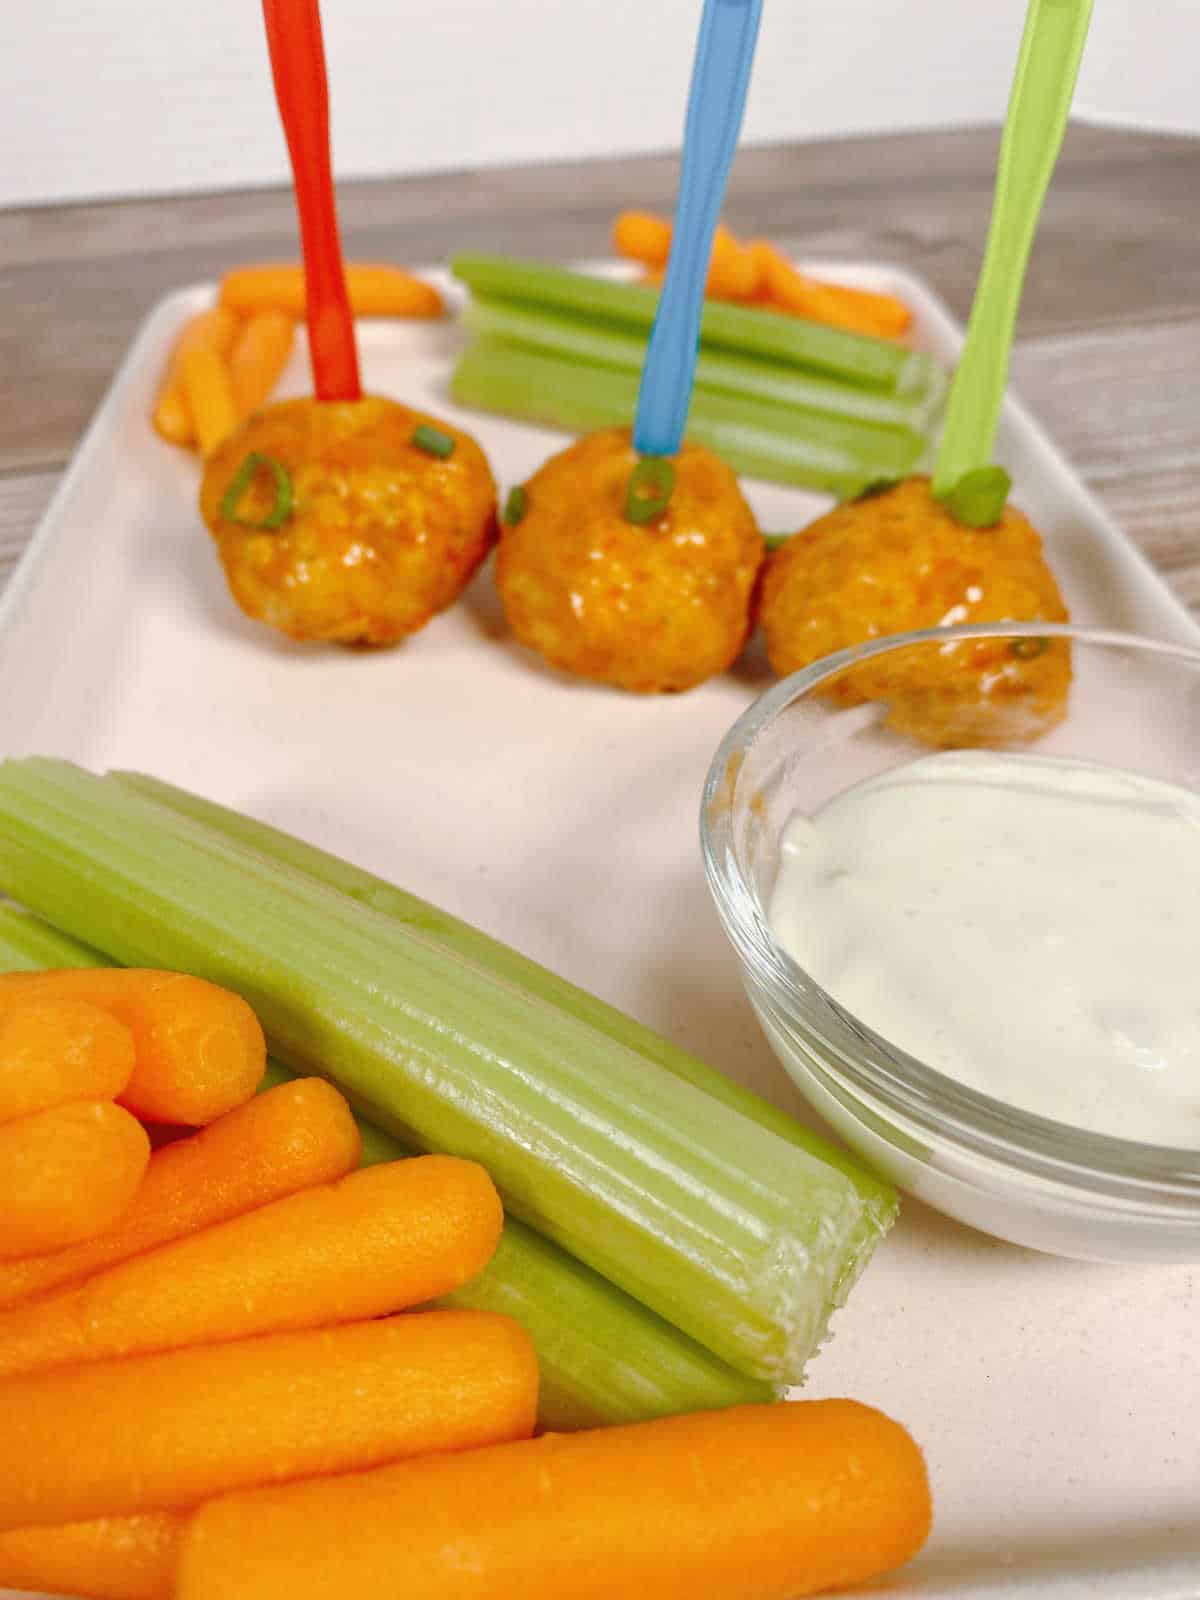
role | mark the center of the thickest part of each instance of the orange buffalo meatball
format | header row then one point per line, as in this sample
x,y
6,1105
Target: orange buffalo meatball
x,y
650,607
381,532
898,561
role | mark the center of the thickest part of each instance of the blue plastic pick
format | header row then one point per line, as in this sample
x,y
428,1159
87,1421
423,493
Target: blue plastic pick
x,y
720,79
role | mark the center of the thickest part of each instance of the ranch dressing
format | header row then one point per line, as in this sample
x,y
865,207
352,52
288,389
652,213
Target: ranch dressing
x,y
1027,925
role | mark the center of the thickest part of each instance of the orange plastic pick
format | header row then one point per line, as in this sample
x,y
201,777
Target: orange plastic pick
x,y
301,89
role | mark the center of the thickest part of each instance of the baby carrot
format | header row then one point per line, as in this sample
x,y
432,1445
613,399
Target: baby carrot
x,y
167,1431
296,1135
67,1174
733,270
380,1240
642,236
375,288
859,310
208,330
204,379
785,286
108,1558
757,1503
260,353
198,1049
56,1051
881,314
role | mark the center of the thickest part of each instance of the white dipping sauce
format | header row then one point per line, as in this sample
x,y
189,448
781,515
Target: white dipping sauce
x,y
1027,925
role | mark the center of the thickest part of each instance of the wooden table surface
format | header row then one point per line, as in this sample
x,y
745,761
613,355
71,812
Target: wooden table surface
x,y
1109,336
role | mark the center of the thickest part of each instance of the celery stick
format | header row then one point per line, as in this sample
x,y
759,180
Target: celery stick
x,y
27,944
854,357
880,1203
809,448
461,939
609,345
603,1357
729,1232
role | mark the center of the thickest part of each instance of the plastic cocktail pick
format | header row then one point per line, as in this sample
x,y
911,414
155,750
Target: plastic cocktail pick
x,y
720,79
1047,67
298,67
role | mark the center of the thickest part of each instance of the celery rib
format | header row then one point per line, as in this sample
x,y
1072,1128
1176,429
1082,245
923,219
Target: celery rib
x,y
794,341
603,1357
728,1232
723,371
461,939
810,449
27,944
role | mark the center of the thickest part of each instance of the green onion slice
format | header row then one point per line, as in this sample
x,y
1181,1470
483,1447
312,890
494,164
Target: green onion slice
x,y
433,441
776,541
280,510
651,484
1028,649
515,506
977,499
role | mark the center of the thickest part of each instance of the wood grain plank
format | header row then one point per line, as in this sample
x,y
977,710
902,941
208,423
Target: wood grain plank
x,y
1122,405
1114,249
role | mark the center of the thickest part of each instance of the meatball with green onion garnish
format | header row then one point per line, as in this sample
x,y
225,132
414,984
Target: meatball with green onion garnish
x,y
635,572
351,522
897,561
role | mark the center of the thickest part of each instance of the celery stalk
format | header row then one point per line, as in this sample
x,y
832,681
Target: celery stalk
x,y
854,357
462,940
603,1357
607,344
732,1234
27,944
841,455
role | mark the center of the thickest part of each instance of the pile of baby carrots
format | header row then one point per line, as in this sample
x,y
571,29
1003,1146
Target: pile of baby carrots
x,y
227,360
206,1388
757,273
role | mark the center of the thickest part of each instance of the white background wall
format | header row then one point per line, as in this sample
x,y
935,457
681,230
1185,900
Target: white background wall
x,y
102,97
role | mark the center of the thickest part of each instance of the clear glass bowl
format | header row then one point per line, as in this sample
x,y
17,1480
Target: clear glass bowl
x,y
1133,703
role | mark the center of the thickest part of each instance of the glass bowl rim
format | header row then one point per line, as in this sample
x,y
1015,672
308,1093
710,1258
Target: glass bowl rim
x,y
888,1078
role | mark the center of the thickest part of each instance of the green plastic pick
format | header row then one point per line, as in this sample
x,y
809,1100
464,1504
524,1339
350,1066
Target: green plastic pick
x,y
1047,67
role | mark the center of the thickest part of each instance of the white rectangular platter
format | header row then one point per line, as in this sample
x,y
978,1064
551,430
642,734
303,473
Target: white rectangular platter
x,y
1058,1403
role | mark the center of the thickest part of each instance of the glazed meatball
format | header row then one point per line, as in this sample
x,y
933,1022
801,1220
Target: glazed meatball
x,y
381,533
650,607
898,561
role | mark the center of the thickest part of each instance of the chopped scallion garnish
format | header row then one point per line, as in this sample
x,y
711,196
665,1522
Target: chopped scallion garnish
x,y
776,541
433,441
515,506
651,484
281,508
977,499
